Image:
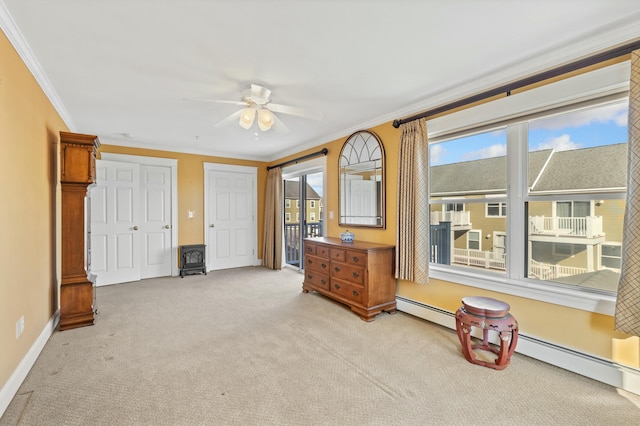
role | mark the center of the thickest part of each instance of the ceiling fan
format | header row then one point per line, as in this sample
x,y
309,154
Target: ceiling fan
x,y
256,101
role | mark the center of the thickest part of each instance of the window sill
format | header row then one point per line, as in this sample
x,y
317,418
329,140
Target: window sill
x,y
530,289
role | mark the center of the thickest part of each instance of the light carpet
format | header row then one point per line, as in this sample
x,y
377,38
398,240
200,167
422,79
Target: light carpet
x,y
247,347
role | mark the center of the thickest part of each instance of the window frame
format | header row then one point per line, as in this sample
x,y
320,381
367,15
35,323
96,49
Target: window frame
x,y
603,85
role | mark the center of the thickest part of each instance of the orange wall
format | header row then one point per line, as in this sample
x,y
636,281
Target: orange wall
x,y
30,213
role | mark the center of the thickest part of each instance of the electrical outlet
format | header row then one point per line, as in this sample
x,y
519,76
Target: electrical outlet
x,y
20,327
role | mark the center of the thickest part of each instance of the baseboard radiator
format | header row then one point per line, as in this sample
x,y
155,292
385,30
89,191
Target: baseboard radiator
x,y
596,368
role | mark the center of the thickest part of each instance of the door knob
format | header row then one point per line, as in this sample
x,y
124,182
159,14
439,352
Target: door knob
x,y
167,227
135,228
212,225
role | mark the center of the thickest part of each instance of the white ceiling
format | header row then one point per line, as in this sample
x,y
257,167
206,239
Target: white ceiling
x,y
128,70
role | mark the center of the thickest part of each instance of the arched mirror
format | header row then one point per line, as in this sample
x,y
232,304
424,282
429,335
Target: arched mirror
x,y
362,188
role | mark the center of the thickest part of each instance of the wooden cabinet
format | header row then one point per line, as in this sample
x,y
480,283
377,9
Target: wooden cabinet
x,y
77,172
358,274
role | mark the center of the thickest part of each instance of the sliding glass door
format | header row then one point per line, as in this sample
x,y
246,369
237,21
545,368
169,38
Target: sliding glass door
x,y
303,211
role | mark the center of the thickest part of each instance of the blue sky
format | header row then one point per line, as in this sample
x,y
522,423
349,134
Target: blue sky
x,y
603,125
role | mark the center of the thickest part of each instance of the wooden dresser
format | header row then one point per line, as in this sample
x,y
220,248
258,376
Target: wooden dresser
x,y
358,274
77,172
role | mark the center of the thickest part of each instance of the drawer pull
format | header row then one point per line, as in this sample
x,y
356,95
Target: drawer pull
x,y
337,269
323,281
324,265
309,276
355,274
309,261
355,293
337,286
356,259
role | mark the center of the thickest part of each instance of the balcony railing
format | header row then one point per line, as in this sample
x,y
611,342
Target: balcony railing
x,y
292,239
456,218
589,227
483,259
545,271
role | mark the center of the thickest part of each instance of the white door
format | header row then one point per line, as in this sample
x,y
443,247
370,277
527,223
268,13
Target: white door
x,y
155,223
230,216
499,242
115,235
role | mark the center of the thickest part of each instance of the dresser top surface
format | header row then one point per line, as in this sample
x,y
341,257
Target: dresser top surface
x,y
362,245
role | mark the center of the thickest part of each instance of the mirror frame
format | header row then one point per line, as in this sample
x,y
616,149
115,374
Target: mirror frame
x,y
343,160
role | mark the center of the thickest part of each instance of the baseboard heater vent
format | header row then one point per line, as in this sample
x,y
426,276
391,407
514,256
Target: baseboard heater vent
x,y
587,365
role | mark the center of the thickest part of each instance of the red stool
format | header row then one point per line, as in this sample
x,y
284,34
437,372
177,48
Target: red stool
x,y
487,314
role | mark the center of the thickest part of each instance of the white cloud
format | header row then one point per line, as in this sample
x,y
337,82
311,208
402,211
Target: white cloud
x,y
436,152
560,143
618,113
496,150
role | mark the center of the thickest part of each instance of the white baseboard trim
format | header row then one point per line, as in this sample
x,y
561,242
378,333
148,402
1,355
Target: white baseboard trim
x,y
596,368
10,388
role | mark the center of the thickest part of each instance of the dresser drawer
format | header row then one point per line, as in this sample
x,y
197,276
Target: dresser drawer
x,y
356,258
317,279
350,291
344,271
323,251
309,248
338,254
316,263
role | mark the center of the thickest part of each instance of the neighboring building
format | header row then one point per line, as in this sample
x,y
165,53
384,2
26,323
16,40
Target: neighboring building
x,y
566,238
292,199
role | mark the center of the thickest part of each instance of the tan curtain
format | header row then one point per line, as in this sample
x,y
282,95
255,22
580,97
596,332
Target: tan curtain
x,y
412,236
628,304
272,246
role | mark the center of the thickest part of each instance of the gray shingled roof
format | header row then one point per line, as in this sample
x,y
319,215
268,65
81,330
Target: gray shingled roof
x,y
292,190
480,176
587,168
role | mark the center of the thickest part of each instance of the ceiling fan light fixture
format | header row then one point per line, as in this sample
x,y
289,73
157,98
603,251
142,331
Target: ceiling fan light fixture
x,y
246,118
265,119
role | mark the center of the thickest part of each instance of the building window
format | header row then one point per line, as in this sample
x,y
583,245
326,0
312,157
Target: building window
x,y
561,176
312,204
473,240
298,217
312,216
496,210
611,254
297,204
287,203
287,217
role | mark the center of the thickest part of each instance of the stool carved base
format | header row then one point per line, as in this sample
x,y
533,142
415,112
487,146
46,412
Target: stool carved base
x,y
486,314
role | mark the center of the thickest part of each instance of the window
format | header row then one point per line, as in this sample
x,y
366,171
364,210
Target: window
x,y
298,217
287,217
312,204
496,210
466,172
473,240
558,168
297,204
611,254
312,216
287,203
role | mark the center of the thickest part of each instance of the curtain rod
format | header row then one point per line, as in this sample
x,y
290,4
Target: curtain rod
x,y
536,78
323,151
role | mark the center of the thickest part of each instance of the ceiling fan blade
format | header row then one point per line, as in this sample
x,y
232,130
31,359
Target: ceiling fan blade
x,y
235,117
300,112
217,101
278,126
260,94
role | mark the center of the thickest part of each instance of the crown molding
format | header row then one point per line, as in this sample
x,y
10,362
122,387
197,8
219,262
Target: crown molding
x,y
8,25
